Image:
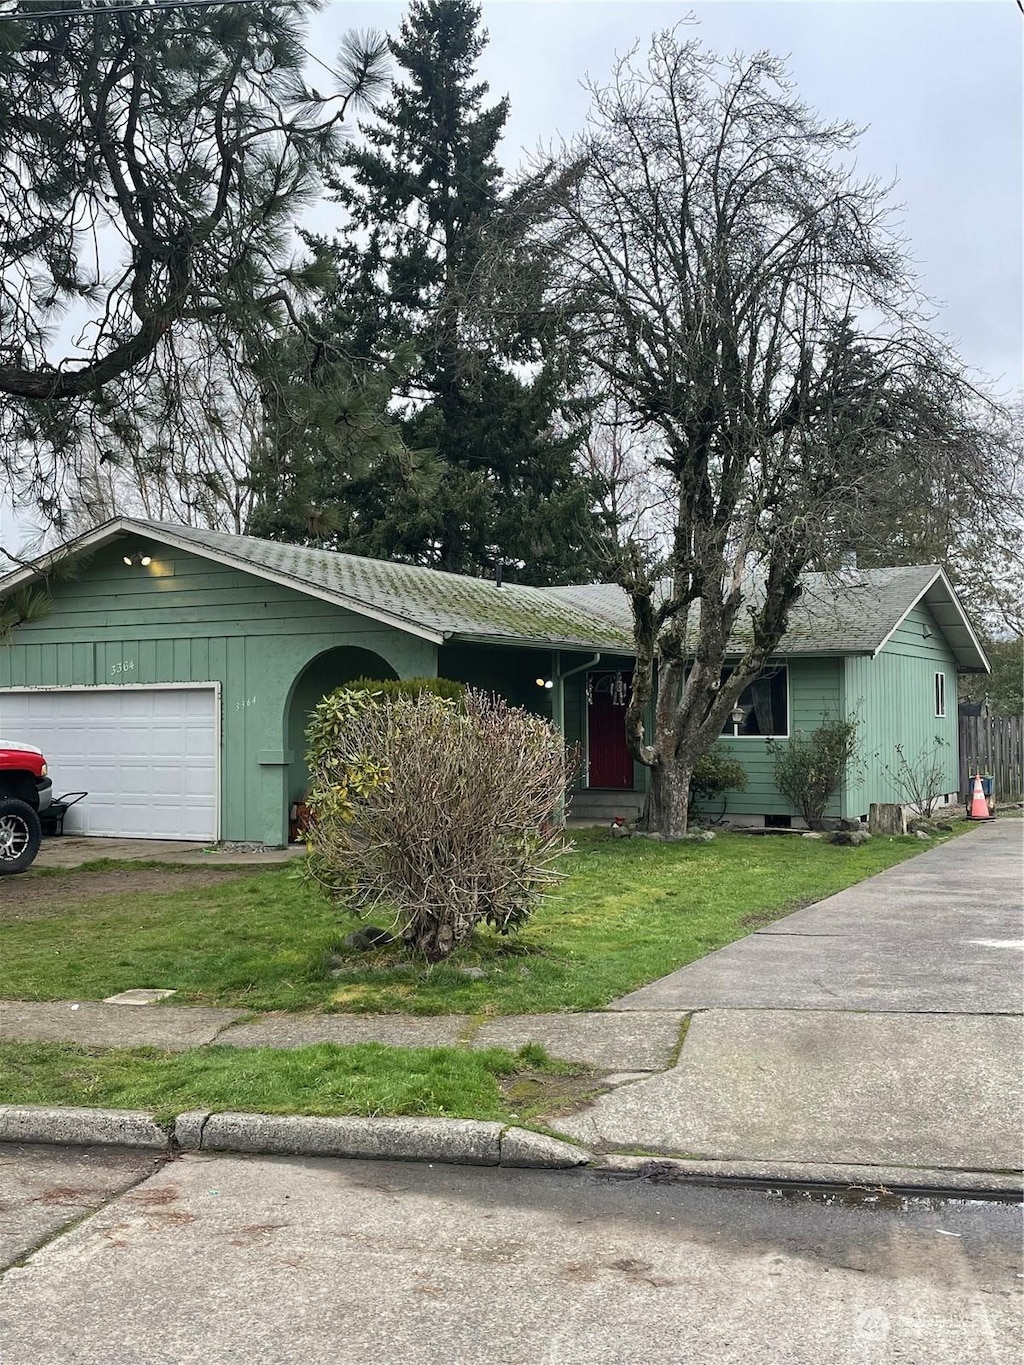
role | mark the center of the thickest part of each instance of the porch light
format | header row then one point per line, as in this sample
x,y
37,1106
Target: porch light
x,y
144,560
545,683
737,715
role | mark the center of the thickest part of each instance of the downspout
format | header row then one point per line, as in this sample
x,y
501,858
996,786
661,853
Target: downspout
x,y
558,706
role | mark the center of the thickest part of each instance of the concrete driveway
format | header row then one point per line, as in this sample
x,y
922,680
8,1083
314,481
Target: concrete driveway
x,y
881,1027
941,933
72,850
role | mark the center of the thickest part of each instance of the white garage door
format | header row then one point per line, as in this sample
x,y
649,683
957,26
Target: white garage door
x,y
146,756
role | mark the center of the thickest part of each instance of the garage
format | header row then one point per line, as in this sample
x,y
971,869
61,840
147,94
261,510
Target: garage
x,y
147,756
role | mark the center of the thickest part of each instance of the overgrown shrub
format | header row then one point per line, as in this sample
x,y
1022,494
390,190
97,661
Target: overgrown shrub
x,y
436,810
714,774
387,689
809,768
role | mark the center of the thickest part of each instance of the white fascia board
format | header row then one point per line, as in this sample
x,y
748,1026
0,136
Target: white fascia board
x,y
92,540
103,535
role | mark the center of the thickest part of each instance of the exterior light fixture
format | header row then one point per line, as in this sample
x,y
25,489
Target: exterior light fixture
x,y
737,714
131,560
546,683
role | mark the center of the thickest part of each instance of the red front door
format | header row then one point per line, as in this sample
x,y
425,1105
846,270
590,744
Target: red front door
x,y
609,762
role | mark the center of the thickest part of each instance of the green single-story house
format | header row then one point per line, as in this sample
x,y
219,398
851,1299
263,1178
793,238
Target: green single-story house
x,y
173,676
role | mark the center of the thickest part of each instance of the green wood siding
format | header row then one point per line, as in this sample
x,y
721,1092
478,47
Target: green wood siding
x,y
814,696
893,694
186,619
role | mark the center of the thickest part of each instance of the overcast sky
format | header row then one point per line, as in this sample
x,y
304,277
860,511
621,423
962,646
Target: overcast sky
x,y
937,85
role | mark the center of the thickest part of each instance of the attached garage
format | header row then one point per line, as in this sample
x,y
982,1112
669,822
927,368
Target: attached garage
x,y
147,756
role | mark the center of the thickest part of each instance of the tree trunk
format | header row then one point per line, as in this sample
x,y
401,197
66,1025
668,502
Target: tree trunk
x,y
668,798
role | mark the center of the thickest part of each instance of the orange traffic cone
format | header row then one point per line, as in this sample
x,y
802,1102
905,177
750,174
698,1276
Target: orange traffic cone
x,y
979,806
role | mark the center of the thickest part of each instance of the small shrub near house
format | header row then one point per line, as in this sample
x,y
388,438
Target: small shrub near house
x,y
714,774
435,809
809,768
920,780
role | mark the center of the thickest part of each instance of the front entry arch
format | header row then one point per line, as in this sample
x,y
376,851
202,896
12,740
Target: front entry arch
x,y
321,676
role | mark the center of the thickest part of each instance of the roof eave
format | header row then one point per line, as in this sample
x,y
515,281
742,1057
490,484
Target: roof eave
x,y
534,642
980,662
109,531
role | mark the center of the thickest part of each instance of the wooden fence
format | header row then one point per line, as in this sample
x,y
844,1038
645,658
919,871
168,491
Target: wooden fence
x,y
993,744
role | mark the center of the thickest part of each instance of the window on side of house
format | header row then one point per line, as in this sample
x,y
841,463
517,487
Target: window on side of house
x,y
765,706
940,694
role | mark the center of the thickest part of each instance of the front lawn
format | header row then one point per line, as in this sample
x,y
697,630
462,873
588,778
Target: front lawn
x,y
630,911
365,1079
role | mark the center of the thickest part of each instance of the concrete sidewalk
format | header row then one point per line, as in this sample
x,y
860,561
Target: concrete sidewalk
x,y
634,1043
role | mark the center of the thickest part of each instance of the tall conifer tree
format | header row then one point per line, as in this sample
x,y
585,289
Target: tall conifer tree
x,y
490,434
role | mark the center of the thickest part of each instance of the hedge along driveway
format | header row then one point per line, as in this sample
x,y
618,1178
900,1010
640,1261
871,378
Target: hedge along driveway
x,y
628,912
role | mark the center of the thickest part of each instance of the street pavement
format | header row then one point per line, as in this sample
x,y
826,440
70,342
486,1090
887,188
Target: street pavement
x,y
268,1261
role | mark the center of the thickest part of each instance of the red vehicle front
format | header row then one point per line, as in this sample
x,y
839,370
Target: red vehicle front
x,y
25,790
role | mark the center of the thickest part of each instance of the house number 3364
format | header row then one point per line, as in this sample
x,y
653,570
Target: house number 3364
x,y
245,703
122,666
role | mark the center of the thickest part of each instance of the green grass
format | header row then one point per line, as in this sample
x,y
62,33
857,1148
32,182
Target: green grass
x,y
365,1079
630,911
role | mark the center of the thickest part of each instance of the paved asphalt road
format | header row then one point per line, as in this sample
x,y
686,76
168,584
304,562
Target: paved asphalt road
x,y
272,1260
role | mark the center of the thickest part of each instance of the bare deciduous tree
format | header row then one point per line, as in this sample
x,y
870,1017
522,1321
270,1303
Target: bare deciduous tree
x,y
748,301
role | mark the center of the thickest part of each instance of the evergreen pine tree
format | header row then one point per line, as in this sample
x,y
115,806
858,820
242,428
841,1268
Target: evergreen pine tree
x,y
489,432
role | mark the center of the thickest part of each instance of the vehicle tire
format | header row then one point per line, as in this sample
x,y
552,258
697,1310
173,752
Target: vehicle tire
x,y
20,835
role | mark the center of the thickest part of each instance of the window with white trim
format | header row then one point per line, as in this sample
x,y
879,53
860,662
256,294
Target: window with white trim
x,y
764,706
940,694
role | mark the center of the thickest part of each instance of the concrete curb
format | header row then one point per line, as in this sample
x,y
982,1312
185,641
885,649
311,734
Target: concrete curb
x,y
1000,1184
83,1127
464,1142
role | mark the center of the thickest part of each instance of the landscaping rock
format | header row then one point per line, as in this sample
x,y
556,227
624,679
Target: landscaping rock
x,y
853,825
923,834
369,939
700,836
849,838
813,834
828,824
474,973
